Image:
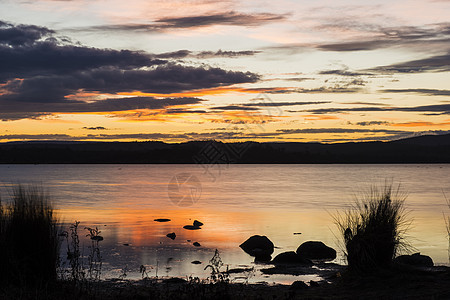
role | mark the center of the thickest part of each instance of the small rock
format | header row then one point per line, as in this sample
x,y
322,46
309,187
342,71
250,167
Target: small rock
x,y
161,220
196,262
316,250
291,257
126,244
196,244
415,260
97,238
197,223
258,246
191,227
171,235
296,233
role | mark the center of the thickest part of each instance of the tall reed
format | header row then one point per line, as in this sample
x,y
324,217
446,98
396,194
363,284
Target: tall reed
x,y
373,229
29,244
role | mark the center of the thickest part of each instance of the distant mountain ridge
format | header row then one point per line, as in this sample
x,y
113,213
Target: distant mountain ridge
x,y
421,149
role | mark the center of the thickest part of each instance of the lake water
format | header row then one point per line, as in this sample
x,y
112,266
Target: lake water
x,y
233,201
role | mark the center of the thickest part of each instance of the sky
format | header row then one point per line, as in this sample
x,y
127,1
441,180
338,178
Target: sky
x,y
175,71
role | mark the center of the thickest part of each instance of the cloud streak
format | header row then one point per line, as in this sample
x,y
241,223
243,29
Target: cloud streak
x,y
16,110
229,18
426,92
441,109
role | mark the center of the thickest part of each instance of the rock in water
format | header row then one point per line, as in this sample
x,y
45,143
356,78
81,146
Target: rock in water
x,y
291,257
191,227
196,244
258,246
197,223
316,250
161,220
415,260
171,235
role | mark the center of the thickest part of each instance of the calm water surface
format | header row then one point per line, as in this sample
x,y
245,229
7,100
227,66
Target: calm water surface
x,y
234,202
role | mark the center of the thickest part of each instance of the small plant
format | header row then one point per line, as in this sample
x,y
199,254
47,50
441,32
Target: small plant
x,y
144,272
123,273
73,253
373,229
94,258
215,264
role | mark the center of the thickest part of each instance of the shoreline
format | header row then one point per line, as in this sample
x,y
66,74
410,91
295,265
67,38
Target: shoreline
x,y
395,283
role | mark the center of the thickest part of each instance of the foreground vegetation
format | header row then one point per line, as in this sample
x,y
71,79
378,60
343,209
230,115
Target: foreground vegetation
x,y
372,231
29,244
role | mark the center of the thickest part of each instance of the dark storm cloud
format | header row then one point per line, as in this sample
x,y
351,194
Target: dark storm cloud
x,y
16,110
428,92
231,18
23,54
166,78
21,35
40,70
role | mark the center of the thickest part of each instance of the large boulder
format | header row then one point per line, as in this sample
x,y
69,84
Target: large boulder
x,y
316,251
290,257
258,246
414,260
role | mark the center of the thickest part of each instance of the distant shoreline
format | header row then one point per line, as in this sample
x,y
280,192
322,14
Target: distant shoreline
x,y
424,149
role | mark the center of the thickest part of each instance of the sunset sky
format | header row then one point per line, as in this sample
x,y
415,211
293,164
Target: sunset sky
x,y
172,70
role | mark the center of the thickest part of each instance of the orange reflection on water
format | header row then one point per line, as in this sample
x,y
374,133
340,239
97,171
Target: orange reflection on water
x,y
221,229
226,230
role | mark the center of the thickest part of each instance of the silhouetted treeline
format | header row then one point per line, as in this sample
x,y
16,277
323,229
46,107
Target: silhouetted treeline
x,y
424,149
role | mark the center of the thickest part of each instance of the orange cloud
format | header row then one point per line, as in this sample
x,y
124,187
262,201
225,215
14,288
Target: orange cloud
x,y
319,117
206,92
421,124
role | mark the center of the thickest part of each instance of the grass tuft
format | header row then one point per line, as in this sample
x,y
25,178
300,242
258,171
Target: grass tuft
x,y
29,244
373,229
